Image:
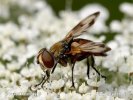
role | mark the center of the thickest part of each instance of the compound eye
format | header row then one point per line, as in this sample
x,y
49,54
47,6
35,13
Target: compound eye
x,y
48,59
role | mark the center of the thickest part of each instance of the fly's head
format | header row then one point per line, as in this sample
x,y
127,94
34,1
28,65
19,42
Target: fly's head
x,y
45,59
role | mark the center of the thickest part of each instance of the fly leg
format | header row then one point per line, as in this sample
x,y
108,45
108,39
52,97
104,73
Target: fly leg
x,y
54,66
61,56
92,65
44,79
47,77
72,75
88,68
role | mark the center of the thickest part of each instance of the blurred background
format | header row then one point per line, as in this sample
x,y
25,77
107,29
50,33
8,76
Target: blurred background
x,y
26,26
111,5
74,5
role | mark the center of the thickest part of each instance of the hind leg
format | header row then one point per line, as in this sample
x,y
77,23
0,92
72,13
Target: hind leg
x,y
72,75
88,68
92,65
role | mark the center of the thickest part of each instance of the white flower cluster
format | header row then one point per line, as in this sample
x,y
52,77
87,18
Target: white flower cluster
x,y
20,43
121,56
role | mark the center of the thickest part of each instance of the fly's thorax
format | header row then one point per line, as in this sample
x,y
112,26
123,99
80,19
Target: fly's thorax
x,y
56,48
59,48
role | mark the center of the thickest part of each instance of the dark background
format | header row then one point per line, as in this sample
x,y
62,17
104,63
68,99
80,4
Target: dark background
x,y
111,5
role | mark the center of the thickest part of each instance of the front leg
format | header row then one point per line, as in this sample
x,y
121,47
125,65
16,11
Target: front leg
x,y
61,56
47,77
44,79
54,66
92,65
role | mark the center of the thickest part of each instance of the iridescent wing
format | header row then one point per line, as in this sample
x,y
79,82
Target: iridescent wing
x,y
82,26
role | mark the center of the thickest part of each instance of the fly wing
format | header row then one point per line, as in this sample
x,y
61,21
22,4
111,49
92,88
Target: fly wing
x,y
82,26
80,46
94,47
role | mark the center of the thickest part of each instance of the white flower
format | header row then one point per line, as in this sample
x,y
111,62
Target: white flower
x,y
6,43
119,98
93,94
57,84
8,29
130,91
68,84
5,96
127,8
7,74
31,51
86,96
4,83
29,72
129,64
15,77
102,96
73,96
15,90
24,82
13,66
92,83
63,96
51,96
129,60
2,70
40,95
116,26
116,57
113,45
96,84
83,88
